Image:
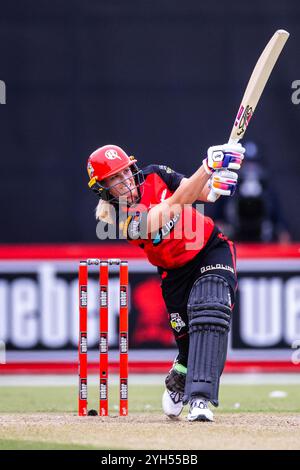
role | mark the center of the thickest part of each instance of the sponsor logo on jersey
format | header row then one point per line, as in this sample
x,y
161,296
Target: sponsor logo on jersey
x,y
217,266
165,230
167,169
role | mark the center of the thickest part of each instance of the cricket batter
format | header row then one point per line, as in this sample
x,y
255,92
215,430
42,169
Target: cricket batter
x,y
196,263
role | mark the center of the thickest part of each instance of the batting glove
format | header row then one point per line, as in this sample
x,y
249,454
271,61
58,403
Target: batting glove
x,y
227,156
223,183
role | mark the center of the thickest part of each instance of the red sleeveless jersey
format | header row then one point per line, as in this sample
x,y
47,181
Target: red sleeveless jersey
x,y
182,237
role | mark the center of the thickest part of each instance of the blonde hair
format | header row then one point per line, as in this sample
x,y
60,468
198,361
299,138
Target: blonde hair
x,y
105,212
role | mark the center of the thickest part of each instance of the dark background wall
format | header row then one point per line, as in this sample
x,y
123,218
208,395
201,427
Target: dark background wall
x,y
163,79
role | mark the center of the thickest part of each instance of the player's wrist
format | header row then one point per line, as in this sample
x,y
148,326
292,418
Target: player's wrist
x,y
207,169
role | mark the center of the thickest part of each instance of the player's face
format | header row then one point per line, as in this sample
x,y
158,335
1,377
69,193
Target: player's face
x,y
122,185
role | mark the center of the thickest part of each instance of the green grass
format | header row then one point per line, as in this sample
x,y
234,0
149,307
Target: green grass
x,y
255,398
11,444
251,398
66,432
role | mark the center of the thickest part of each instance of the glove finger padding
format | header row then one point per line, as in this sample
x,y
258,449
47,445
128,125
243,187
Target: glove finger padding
x,y
232,161
223,182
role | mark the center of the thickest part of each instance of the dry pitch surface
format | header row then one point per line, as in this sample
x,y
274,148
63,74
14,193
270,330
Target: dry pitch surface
x,y
154,431
45,418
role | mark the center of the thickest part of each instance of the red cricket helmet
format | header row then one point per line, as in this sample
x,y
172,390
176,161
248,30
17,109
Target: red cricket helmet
x,y
107,161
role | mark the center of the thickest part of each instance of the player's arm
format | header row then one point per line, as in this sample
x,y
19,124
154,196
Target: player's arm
x,y
202,195
218,157
186,193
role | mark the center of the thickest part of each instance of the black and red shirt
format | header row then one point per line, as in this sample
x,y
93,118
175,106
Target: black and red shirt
x,y
182,237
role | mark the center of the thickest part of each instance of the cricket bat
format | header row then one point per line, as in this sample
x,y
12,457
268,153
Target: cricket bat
x,y
255,87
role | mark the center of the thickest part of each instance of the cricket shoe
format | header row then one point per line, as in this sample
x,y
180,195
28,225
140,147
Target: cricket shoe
x,y
199,410
172,403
